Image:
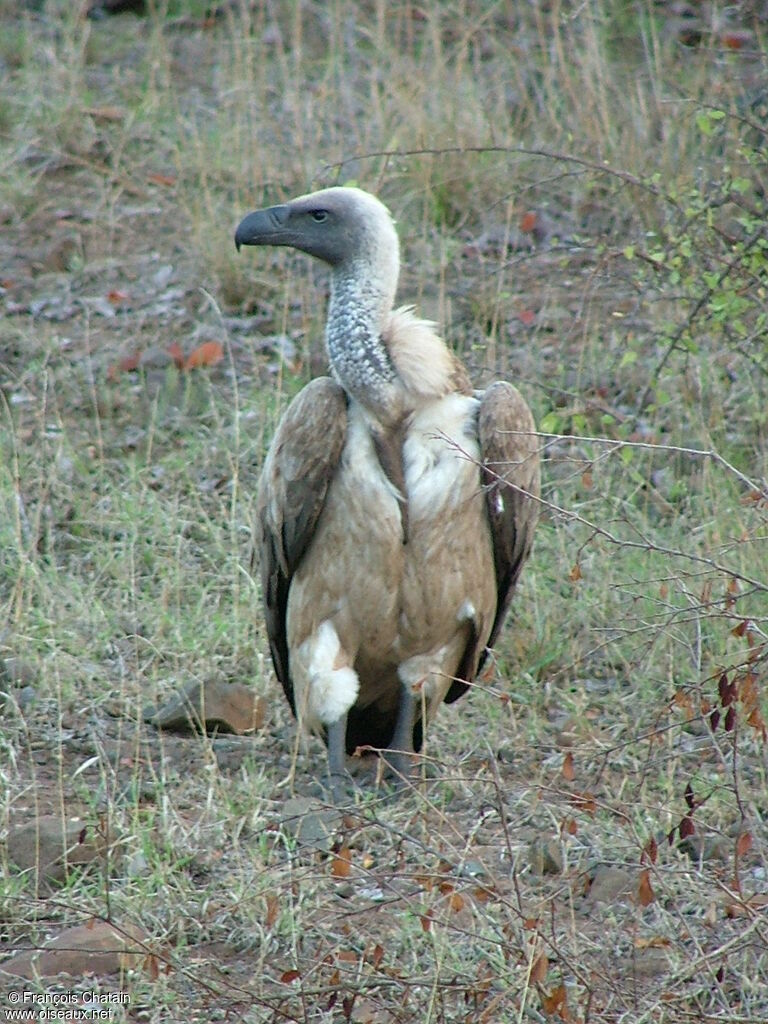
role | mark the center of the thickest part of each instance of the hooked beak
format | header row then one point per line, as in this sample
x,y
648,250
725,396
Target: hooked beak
x,y
264,227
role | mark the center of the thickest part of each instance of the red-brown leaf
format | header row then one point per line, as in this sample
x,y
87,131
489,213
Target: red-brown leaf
x,y
341,865
174,350
650,851
743,843
687,828
207,354
556,1002
645,893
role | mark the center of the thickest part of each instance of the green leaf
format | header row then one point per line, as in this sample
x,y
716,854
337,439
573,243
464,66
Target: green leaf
x,y
628,359
551,423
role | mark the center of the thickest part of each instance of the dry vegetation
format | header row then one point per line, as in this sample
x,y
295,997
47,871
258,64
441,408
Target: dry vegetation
x,y
581,194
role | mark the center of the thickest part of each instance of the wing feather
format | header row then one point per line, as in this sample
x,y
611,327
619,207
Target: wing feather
x,y
298,470
511,477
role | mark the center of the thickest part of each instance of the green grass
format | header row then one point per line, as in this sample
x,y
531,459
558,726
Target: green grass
x,y
634,323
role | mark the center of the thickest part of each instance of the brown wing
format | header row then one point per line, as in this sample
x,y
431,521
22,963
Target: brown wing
x,y
511,478
299,467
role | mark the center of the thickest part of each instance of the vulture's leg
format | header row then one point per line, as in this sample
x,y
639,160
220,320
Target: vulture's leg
x,y
400,749
337,733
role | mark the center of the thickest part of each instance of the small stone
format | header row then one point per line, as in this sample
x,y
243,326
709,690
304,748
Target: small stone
x,y
545,857
50,845
210,706
610,883
311,823
97,947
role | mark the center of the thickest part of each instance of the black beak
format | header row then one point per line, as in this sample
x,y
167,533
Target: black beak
x,y
264,227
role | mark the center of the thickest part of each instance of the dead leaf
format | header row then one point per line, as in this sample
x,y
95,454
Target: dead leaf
x,y
288,977
650,851
556,1002
539,969
526,317
174,350
341,865
273,908
569,773
529,221
743,843
347,956
208,354
746,908
162,179
456,902
575,573
654,942
645,893
105,113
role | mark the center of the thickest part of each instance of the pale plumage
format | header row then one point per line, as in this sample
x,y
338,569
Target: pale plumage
x,y
396,507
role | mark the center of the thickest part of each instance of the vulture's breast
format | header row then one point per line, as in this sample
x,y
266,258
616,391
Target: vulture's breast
x,y
389,600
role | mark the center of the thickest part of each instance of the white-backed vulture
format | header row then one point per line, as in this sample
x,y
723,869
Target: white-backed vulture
x,y
396,507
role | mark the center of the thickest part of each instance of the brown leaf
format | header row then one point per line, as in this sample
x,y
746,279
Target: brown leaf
x,y
526,317
586,480
650,851
208,354
741,629
683,700
378,954
687,828
539,969
162,179
746,908
529,221
726,690
556,1002
341,865
569,773
130,362
288,977
174,350
273,908
730,718
347,956
743,843
645,893
456,902
757,722
584,802
105,113
575,573
653,942
426,921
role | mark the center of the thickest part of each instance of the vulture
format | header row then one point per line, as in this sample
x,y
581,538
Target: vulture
x,y
396,505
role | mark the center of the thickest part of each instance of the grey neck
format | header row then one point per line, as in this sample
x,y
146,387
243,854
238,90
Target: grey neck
x,y
356,317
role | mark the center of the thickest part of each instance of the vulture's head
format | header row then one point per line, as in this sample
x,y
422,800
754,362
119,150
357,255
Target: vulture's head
x,y
347,228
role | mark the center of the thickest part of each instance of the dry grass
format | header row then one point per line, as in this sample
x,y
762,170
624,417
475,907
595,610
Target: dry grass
x,y
581,199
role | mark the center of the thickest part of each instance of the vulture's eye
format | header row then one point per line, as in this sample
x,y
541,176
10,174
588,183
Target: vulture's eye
x,y
319,216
